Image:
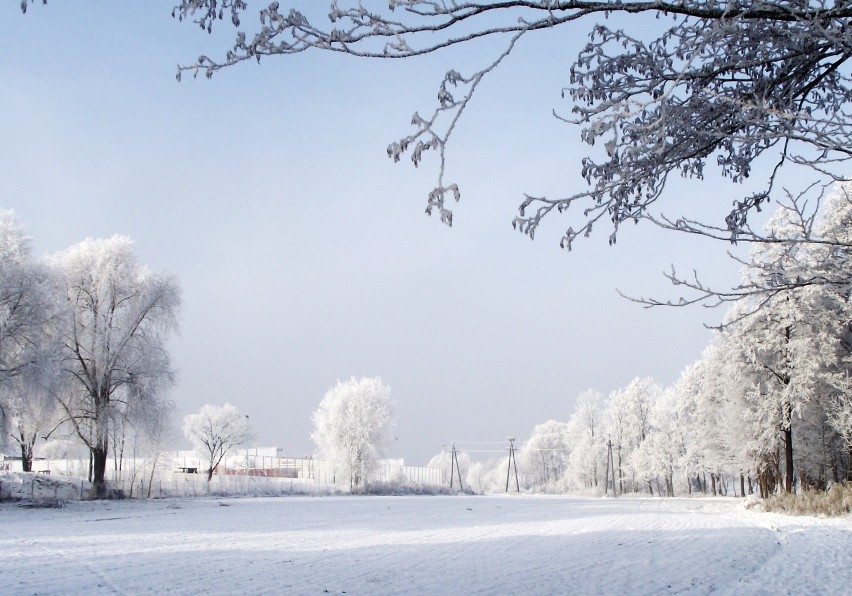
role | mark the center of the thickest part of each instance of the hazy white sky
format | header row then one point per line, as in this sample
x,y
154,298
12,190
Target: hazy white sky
x,y
302,250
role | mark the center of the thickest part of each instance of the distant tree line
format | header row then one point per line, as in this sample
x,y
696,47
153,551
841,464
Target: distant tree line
x,y
766,409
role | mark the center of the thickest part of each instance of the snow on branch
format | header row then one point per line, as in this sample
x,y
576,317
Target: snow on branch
x,y
796,252
728,83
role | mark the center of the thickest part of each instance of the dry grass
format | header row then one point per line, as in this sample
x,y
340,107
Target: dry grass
x,y
835,502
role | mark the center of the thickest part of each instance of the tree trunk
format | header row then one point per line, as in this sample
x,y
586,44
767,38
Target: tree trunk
x,y
99,464
209,473
713,483
835,468
151,477
621,475
768,477
26,457
742,485
849,465
788,459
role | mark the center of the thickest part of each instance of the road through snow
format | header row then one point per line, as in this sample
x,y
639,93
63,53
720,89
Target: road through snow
x,y
418,544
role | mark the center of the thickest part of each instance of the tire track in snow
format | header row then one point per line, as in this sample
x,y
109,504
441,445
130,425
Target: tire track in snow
x,y
368,545
31,551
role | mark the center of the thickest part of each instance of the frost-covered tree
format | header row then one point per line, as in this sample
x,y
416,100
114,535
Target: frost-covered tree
x,y
138,432
488,476
30,312
841,419
662,451
725,84
831,314
216,430
628,412
32,409
153,445
699,409
28,303
352,426
774,343
756,404
824,363
765,396
587,441
452,470
544,456
712,411
120,316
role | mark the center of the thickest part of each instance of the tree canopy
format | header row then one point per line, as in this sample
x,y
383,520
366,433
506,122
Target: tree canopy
x,y
352,426
215,431
119,318
728,83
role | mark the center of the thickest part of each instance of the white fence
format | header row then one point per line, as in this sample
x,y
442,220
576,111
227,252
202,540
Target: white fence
x,y
196,485
181,474
420,475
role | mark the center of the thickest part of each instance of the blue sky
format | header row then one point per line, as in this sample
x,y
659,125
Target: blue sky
x,y
303,251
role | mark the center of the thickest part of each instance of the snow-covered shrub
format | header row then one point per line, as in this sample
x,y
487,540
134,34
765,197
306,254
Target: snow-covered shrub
x,y
32,487
391,488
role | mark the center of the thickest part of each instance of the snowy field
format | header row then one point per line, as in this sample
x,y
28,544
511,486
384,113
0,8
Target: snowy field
x,y
414,544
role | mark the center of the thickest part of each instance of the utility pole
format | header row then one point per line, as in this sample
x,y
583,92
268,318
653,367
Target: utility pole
x,y
512,463
610,470
454,466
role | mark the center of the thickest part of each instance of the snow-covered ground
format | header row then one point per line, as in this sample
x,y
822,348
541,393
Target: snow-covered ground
x,y
420,544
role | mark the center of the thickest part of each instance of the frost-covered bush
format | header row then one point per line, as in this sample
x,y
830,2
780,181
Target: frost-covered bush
x,y
42,489
396,488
